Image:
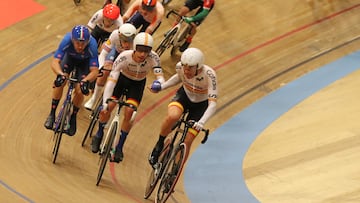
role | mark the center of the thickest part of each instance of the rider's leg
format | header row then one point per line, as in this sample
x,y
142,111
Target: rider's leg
x,y
104,117
125,129
57,93
77,101
100,82
175,110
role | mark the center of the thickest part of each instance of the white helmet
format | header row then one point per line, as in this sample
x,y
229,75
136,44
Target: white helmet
x,y
143,39
127,30
192,57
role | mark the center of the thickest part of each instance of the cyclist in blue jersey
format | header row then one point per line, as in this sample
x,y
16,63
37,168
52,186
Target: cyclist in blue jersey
x,y
77,50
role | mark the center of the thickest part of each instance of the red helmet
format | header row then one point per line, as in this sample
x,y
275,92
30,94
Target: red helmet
x,y
111,11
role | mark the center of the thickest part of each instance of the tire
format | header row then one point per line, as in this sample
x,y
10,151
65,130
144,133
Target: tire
x,y
94,118
166,42
180,39
155,175
171,174
58,132
105,156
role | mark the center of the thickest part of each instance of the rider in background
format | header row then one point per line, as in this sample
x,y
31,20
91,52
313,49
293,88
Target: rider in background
x,y
145,13
119,40
104,21
128,77
197,94
204,8
76,50
122,4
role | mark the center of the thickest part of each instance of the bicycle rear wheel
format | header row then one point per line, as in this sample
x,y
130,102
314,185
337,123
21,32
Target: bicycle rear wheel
x,y
171,174
180,38
155,174
166,42
106,154
58,132
94,118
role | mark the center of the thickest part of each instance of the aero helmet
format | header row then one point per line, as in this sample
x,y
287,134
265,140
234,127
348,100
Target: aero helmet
x,y
127,31
80,33
111,11
143,39
192,57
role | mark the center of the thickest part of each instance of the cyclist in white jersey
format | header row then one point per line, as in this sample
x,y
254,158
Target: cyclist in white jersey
x,y
104,21
119,40
128,77
197,95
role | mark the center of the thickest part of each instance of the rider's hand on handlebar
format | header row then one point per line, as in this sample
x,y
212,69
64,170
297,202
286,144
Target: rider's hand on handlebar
x,y
188,19
198,126
60,79
84,86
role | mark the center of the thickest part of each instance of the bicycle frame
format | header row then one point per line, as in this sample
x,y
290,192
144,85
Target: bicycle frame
x,y
94,116
172,146
63,117
108,142
175,37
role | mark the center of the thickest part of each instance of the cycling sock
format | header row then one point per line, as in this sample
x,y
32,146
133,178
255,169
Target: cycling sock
x,y
75,110
54,105
122,139
189,39
101,129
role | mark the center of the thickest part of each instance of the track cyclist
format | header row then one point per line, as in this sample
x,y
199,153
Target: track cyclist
x,y
77,50
129,73
197,94
104,21
119,40
146,14
204,7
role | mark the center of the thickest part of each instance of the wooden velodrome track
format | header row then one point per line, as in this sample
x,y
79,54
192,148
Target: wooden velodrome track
x,y
256,46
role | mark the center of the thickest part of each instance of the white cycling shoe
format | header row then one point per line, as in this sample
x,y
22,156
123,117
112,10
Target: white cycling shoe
x,y
90,103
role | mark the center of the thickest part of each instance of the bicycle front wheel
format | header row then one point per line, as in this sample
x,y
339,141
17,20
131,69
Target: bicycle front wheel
x,y
58,132
166,42
106,154
155,174
94,118
171,174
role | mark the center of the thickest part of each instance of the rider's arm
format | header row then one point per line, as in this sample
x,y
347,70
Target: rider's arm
x,y
55,66
59,54
212,96
173,80
157,18
200,15
102,57
159,74
94,19
93,61
131,10
109,86
112,79
94,71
